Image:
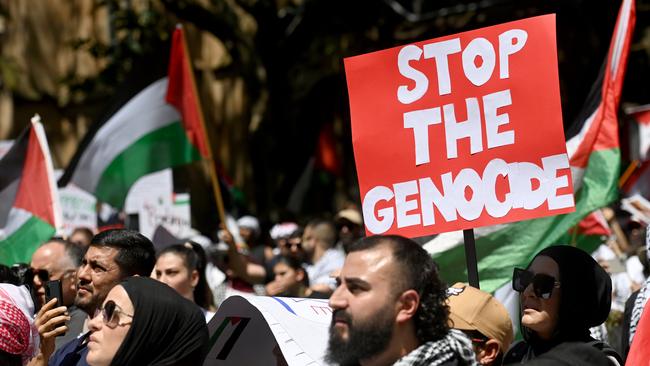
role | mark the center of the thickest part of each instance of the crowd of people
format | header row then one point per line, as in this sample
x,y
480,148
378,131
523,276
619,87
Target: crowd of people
x,y
124,301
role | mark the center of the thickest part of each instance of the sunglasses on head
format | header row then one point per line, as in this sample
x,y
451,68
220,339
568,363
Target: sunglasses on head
x,y
110,314
543,284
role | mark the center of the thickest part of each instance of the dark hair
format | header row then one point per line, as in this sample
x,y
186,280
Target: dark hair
x,y
19,274
23,274
296,233
194,259
85,232
420,273
135,256
295,264
7,275
75,252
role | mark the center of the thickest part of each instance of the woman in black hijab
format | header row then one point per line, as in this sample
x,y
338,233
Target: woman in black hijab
x,y
156,326
563,293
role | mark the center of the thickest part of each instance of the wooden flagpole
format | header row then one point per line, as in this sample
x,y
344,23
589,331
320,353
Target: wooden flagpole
x,y
628,173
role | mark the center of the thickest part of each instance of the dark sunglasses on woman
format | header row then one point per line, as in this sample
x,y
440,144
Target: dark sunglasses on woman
x,y
543,284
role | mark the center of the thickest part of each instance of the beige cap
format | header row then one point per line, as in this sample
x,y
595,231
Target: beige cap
x,y
351,215
473,309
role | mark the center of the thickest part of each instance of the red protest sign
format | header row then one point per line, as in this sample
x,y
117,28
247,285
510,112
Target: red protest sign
x,y
460,131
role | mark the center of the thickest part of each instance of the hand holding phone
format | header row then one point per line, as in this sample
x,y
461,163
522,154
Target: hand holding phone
x,y
51,323
53,289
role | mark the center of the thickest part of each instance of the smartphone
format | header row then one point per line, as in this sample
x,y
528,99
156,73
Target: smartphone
x,y
53,289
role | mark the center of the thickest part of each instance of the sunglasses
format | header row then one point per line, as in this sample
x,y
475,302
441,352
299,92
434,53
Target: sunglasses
x,y
110,314
290,245
42,274
543,284
475,336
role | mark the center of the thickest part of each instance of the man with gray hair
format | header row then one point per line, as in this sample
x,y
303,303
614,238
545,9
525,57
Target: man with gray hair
x,y
58,259
112,256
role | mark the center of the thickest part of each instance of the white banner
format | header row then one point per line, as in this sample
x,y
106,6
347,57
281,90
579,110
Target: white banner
x,y
261,330
171,211
78,208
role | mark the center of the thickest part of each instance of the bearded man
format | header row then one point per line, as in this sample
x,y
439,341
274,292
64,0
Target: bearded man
x,y
390,309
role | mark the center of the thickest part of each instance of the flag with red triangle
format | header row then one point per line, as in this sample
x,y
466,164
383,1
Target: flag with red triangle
x,y
157,128
182,93
29,201
594,156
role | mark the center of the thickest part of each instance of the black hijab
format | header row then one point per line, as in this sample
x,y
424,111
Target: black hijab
x,y
167,329
571,354
586,297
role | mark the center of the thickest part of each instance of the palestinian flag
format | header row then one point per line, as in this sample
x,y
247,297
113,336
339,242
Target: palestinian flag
x,y
594,156
639,181
590,232
29,199
159,127
639,132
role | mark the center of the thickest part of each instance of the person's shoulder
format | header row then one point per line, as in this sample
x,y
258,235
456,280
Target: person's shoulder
x,y
334,255
629,303
516,353
71,353
454,361
608,351
573,354
66,348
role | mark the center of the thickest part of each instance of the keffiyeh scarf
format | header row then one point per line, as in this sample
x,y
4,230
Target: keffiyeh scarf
x,y
642,297
18,335
454,344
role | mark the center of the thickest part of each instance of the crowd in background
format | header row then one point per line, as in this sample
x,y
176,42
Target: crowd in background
x,y
575,307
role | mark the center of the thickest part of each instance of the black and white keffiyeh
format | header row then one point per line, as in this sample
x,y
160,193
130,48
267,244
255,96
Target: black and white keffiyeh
x,y
454,344
642,297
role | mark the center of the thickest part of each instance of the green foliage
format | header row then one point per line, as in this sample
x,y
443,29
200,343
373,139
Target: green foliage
x,y
135,34
8,73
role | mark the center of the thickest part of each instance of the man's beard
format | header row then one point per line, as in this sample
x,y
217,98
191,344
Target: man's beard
x,y
364,340
89,303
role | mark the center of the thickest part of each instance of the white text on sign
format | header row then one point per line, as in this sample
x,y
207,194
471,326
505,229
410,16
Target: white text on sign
x,y
467,193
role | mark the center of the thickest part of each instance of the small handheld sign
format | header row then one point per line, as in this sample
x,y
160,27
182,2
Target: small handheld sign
x,y
461,131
